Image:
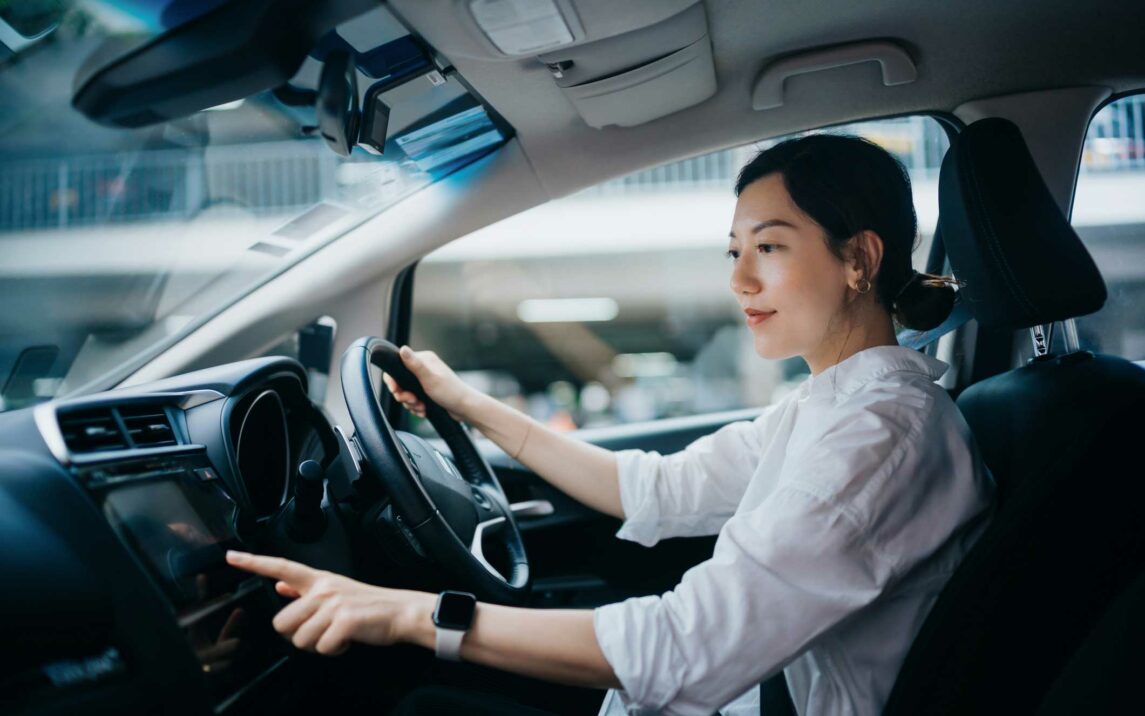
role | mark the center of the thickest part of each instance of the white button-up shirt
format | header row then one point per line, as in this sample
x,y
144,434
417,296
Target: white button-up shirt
x,y
841,511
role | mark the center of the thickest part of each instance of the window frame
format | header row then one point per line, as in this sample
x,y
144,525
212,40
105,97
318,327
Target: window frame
x,y
1112,98
399,325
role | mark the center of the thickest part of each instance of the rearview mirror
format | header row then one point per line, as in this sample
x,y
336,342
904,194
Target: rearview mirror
x,y
228,53
338,110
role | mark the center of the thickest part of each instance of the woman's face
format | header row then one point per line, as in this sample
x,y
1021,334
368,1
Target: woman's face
x,y
788,283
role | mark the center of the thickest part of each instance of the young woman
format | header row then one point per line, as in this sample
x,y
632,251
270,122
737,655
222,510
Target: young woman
x,y
841,510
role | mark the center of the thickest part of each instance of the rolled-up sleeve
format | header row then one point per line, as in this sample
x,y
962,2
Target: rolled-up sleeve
x,y
780,576
691,492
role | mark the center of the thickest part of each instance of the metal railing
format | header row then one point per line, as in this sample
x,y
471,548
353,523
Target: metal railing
x,y
1116,138
285,177
1115,142
918,142
163,185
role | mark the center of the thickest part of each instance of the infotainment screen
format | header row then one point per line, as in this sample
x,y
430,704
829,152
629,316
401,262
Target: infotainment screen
x,y
182,531
181,526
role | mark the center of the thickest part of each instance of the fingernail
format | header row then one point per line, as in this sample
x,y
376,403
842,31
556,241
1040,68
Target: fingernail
x,y
405,351
235,554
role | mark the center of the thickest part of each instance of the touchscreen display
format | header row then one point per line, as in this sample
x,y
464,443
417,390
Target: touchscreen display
x,y
183,546
181,528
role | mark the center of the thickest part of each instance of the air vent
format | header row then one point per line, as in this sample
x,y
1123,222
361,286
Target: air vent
x,y
118,428
92,431
148,426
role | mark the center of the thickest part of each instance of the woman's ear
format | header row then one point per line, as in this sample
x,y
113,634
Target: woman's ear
x,y
864,256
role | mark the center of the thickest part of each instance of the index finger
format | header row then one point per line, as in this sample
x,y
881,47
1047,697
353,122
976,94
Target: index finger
x,y
296,575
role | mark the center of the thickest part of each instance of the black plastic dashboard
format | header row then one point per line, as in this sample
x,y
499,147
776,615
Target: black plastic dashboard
x,y
115,513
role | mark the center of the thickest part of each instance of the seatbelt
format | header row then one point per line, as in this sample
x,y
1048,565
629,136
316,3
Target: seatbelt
x,y
918,340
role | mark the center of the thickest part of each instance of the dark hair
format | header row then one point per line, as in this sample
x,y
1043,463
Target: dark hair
x,y
846,185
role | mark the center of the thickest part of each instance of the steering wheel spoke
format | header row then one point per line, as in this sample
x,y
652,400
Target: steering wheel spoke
x,y
477,547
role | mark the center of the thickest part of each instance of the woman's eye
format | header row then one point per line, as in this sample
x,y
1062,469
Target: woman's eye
x,y
762,248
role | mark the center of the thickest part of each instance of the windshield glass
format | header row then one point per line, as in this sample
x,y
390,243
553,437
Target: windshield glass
x,y
116,242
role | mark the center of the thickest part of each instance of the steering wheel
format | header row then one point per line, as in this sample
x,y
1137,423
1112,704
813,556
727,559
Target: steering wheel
x,y
451,513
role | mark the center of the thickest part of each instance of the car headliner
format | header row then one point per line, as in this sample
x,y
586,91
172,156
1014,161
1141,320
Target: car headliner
x,y
964,51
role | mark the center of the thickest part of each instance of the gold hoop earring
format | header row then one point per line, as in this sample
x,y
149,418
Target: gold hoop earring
x,y
866,287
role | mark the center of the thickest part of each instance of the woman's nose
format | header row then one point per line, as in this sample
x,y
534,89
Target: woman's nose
x,y
743,279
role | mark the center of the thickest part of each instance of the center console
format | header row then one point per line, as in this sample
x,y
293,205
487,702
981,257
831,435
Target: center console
x,y
175,516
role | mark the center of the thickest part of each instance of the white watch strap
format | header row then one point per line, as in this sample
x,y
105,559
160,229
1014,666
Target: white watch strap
x,y
448,644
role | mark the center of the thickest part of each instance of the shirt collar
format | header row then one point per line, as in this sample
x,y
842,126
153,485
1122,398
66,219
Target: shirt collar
x,y
850,374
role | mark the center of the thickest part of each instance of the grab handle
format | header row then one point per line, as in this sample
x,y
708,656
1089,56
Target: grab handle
x,y
898,68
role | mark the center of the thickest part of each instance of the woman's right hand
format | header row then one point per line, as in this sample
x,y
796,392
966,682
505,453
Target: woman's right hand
x,y
438,381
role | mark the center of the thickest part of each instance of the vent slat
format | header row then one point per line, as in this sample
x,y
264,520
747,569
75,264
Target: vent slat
x,y
97,430
148,426
92,431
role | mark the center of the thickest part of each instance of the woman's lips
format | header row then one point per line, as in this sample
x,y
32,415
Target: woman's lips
x,y
754,318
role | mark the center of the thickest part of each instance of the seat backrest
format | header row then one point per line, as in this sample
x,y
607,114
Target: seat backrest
x,y
1104,674
1058,434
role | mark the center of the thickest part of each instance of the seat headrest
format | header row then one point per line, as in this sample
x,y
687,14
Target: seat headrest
x,y
1006,237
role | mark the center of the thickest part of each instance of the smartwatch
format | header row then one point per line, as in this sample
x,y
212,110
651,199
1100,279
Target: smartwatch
x,y
452,617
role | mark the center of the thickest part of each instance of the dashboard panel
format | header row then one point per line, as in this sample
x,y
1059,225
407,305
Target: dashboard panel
x,y
125,503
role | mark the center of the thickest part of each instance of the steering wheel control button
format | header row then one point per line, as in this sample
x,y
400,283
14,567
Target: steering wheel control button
x,y
412,461
206,474
481,499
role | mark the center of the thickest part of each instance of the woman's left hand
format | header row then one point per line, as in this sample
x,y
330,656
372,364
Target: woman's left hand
x,y
330,611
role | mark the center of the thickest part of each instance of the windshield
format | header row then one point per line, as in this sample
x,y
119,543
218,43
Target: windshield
x,y
116,242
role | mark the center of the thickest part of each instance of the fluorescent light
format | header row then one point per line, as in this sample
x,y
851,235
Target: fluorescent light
x,y
567,310
644,365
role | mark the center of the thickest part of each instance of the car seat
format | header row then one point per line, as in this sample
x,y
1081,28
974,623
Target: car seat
x,y
1104,675
1057,434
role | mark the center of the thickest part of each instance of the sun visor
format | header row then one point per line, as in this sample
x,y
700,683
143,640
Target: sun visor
x,y
639,76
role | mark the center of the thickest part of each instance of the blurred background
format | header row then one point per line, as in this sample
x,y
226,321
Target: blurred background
x,y
612,306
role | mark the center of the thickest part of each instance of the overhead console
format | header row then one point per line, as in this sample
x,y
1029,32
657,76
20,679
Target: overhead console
x,y
655,61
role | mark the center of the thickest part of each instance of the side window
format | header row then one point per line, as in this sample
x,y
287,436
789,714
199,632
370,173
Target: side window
x,y
612,306
1109,215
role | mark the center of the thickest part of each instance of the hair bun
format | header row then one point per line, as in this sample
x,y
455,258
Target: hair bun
x,y
925,300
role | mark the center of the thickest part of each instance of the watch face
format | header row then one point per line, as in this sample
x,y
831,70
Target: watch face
x,y
454,610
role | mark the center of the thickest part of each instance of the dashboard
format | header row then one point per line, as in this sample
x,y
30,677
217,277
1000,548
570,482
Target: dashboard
x,y
115,513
